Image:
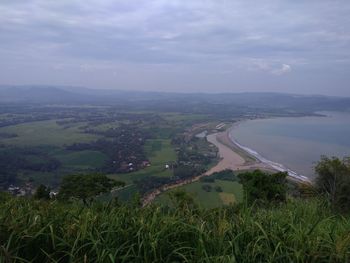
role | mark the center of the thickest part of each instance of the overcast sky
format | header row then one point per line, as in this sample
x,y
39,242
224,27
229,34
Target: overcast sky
x,y
293,46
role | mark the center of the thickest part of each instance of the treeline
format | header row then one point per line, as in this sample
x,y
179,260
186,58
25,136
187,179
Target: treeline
x,y
225,175
15,160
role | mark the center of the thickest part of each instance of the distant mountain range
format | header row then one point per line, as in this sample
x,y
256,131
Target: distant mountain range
x,y
79,95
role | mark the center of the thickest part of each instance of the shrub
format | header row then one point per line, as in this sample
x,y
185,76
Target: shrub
x,y
218,189
263,188
206,187
334,181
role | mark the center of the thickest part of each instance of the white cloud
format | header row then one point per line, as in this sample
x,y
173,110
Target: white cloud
x,y
270,66
283,70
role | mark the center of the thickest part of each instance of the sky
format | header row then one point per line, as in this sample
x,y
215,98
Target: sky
x,y
293,46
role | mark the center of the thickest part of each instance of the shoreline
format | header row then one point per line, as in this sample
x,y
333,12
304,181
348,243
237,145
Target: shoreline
x,y
254,154
232,156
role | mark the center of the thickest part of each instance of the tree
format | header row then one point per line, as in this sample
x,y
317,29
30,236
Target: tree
x,y
182,200
42,192
262,188
206,187
333,180
218,189
86,187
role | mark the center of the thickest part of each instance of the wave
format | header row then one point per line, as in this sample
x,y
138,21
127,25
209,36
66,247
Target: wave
x,y
276,166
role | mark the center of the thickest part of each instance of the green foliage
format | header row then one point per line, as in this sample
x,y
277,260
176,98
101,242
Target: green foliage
x,y
218,189
334,181
264,188
86,187
182,200
187,171
206,187
225,175
4,196
42,192
297,231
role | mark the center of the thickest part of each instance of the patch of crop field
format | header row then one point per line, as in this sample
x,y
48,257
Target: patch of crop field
x,y
205,199
126,193
106,126
180,117
45,133
201,197
163,131
227,198
82,159
231,192
231,187
160,152
129,178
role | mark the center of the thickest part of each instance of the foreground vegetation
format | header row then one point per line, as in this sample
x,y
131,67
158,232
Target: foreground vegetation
x,y
268,226
297,231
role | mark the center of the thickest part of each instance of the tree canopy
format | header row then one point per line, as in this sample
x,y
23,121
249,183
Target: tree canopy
x,y
86,187
42,192
261,187
333,180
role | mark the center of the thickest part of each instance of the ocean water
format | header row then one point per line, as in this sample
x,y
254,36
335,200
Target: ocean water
x,y
296,144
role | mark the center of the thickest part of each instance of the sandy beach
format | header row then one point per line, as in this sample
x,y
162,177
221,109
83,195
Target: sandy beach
x,y
232,157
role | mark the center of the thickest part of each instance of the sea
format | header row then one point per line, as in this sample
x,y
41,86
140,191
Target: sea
x,y
295,144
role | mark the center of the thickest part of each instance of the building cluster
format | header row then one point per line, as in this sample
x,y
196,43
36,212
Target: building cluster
x,y
26,190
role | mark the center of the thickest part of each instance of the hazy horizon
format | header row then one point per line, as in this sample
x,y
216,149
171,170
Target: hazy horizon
x,y
293,47
80,89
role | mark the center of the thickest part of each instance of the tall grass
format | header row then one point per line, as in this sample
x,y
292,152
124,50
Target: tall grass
x,y
299,231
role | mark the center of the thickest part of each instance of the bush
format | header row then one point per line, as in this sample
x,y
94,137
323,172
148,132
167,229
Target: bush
x,y
207,179
86,186
206,187
263,188
334,181
218,189
42,192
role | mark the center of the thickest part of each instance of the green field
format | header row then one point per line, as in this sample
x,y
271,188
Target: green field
x,y
50,139
160,152
182,117
45,133
81,159
231,192
106,126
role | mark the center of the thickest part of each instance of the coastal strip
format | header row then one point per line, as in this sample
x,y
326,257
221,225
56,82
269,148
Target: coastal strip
x,y
233,156
258,157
